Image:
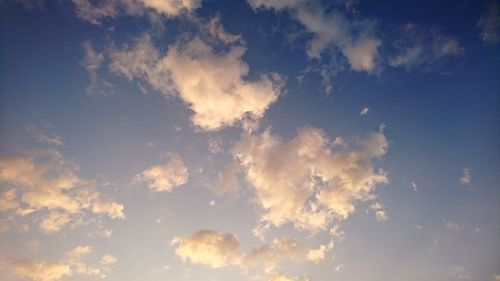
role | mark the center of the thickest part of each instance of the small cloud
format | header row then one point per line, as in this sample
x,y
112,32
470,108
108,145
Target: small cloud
x,y
466,178
338,267
364,111
460,273
165,177
212,203
380,212
451,225
413,186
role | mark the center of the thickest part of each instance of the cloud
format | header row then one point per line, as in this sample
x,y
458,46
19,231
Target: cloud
x,y
45,180
8,200
272,255
466,178
413,186
490,23
38,271
451,225
43,135
95,11
219,250
72,263
364,111
92,62
318,255
167,176
215,89
420,46
209,248
380,212
460,273
332,31
309,180
108,260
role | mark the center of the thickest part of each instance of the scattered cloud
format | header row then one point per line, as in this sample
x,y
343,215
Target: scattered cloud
x,y
163,178
45,180
92,62
44,134
380,212
218,250
72,264
423,47
215,89
489,23
460,273
332,30
309,180
96,11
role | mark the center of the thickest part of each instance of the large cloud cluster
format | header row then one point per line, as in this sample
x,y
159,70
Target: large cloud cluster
x,y
44,180
215,88
310,180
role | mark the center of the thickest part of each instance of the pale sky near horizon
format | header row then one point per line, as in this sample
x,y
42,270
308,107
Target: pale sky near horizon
x,y
224,140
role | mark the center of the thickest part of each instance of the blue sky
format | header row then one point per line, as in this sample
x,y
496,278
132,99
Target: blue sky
x,y
249,140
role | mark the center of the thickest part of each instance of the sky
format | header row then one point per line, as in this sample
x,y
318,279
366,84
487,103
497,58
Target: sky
x,y
254,140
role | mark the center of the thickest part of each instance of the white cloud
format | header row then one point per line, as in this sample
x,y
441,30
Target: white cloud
x,y
44,180
210,248
215,89
466,177
309,180
218,250
272,255
364,111
490,23
380,212
95,11
318,255
413,186
38,271
331,31
108,259
166,176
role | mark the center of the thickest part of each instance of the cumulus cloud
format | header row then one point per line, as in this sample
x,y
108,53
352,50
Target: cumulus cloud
x,y
331,31
95,11
71,264
45,180
420,46
218,250
38,271
215,89
490,23
209,248
272,255
319,254
310,180
166,176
